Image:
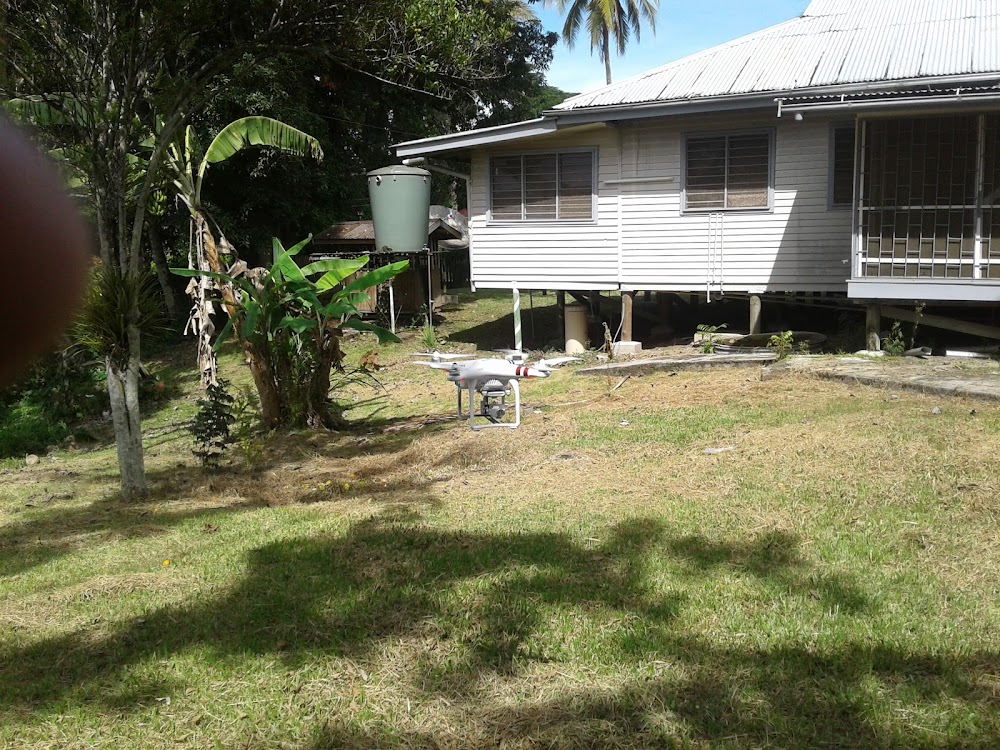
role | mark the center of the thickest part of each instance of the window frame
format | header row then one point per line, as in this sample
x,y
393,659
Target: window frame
x,y
592,150
834,127
771,154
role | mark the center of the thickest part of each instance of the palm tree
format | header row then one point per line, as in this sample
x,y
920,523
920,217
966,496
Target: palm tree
x,y
607,21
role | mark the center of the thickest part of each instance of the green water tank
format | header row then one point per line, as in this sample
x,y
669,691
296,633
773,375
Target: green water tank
x,y
401,202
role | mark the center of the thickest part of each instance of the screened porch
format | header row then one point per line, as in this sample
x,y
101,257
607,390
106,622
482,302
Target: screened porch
x,y
927,208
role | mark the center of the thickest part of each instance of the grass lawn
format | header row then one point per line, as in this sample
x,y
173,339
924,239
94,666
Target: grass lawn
x,y
592,579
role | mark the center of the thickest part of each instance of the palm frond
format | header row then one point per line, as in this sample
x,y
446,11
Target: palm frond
x,y
109,306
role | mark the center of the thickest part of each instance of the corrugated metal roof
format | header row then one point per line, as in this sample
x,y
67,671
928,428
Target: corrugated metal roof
x,y
834,42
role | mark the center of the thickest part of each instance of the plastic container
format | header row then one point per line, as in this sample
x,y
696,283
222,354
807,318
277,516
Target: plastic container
x,y
401,202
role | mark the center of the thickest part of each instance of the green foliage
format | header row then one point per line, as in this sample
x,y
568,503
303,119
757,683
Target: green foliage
x,y
111,303
25,427
428,338
781,344
211,425
68,385
291,326
708,339
248,429
61,390
230,140
894,344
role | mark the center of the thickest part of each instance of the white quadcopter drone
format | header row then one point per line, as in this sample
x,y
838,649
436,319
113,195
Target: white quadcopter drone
x,y
495,380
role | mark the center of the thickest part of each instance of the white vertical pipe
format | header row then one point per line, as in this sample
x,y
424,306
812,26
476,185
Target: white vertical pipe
x,y
392,309
430,291
517,318
978,255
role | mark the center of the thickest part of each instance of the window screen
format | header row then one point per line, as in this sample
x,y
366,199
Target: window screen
x,y
728,171
539,187
842,167
505,179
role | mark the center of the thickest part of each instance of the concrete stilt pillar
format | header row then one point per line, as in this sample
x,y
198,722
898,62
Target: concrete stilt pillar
x,y
561,308
628,299
627,344
873,323
755,307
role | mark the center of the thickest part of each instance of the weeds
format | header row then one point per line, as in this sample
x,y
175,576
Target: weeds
x,y
894,344
248,430
429,339
708,337
781,344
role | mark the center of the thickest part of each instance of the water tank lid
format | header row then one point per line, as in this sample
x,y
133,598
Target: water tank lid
x,y
399,169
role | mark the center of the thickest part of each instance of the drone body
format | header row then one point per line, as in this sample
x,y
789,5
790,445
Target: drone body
x,y
495,380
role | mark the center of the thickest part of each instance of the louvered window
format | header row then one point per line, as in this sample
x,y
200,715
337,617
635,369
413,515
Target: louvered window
x,y
728,171
542,187
842,167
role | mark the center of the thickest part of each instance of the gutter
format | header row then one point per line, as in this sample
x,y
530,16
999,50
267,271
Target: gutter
x,y
423,161
916,103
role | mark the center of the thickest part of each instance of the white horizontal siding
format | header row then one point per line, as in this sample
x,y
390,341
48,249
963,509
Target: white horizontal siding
x,y
801,245
553,254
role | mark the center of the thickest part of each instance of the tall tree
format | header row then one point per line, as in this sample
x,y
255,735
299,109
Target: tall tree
x,y
110,69
607,21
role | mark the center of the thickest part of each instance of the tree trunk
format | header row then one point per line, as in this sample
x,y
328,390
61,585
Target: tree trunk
x,y
329,357
123,390
607,54
271,410
200,322
162,271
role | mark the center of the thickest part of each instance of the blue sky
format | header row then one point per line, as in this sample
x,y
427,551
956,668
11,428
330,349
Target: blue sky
x,y
683,27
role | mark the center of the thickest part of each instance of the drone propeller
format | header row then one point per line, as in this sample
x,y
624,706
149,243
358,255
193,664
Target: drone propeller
x,y
436,365
512,355
437,356
548,364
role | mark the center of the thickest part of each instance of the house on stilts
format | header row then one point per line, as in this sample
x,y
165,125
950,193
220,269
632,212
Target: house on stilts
x,y
851,153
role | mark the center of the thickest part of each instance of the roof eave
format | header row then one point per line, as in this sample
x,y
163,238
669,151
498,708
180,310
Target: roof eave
x,y
555,119
473,138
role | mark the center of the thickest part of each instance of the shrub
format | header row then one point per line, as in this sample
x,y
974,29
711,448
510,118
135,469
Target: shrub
x,y
61,390
210,426
428,338
26,428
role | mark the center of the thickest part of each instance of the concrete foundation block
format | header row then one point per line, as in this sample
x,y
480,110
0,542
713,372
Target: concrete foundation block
x,y
622,348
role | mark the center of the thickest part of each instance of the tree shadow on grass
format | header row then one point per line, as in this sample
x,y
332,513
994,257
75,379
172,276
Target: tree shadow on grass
x,y
387,578
774,557
855,696
186,491
497,334
489,600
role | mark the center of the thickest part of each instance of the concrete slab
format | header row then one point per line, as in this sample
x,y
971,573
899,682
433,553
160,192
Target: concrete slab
x,y
942,376
673,364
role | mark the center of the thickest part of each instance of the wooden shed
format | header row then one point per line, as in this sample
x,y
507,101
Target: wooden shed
x,y
431,271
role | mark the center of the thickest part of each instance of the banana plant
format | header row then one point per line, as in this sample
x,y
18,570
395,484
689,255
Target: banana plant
x,y
188,166
290,327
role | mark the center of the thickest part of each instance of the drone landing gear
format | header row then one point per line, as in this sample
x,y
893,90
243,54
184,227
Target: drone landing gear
x,y
493,403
